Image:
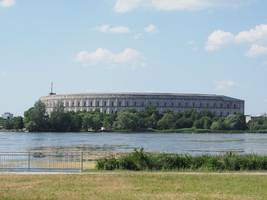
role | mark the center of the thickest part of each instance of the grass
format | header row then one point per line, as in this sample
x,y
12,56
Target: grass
x,y
134,185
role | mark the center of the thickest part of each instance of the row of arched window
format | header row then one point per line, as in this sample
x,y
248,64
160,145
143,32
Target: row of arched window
x,y
144,104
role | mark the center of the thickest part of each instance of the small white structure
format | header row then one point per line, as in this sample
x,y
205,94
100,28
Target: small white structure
x,y
250,117
7,115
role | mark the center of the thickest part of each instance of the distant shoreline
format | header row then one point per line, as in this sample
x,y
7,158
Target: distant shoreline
x,y
156,131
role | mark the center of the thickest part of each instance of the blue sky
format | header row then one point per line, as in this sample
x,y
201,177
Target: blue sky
x,y
187,46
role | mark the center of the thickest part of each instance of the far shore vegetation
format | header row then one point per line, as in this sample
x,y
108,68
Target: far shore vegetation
x,y
129,120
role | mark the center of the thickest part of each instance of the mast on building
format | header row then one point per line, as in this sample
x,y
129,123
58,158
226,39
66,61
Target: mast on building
x,y
51,89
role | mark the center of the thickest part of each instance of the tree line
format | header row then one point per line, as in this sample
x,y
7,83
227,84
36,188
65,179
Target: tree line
x,y
36,119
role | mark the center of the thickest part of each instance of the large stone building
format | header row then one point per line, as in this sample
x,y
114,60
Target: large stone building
x,y
113,102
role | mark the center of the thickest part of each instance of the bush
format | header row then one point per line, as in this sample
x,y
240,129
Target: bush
x,y
217,125
184,123
139,160
107,163
235,122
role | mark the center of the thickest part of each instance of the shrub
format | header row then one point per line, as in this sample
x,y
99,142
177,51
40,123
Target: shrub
x,y
107,164
140,160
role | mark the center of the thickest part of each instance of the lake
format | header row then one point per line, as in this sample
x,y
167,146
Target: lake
x,y
124,142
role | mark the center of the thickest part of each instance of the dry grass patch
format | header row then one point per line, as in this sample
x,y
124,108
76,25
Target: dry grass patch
x,y
134,185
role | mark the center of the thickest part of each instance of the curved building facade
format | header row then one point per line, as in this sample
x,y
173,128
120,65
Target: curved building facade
x,y
113,102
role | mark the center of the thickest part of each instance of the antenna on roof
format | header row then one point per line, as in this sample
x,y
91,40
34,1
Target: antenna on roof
x,y
51,89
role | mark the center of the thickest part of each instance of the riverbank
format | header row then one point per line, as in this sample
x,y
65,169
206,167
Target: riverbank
x,y
134,185
183,130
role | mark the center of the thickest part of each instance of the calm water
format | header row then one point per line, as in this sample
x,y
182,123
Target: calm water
x,y
174,143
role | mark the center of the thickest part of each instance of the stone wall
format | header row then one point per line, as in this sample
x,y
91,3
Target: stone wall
x,y
109,103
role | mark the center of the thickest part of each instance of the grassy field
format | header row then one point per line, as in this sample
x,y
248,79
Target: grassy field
x,y
134,185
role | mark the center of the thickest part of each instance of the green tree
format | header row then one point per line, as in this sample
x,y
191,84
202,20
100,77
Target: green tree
x,y
235,122
207,121
17,123
167,121
127,120
184,123
87,121
258,123
59,120
92,121
8,124
217,125
38,116
27,115
199,124
97,122
203,123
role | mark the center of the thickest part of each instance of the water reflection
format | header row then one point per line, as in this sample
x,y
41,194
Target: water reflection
x,y
118,142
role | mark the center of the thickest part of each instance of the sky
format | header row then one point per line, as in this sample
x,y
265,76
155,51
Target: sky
x,y
181,46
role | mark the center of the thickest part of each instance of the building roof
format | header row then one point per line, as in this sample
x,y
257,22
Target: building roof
x,y
140,94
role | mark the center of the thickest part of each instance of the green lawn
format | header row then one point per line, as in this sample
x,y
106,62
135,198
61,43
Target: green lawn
x,y
134,185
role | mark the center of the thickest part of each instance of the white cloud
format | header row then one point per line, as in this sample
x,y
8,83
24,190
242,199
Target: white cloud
x,y
257,50
7,3
105,28
151,28
122,6
225,84
217,39
254,39
101,55
252,35
170,5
